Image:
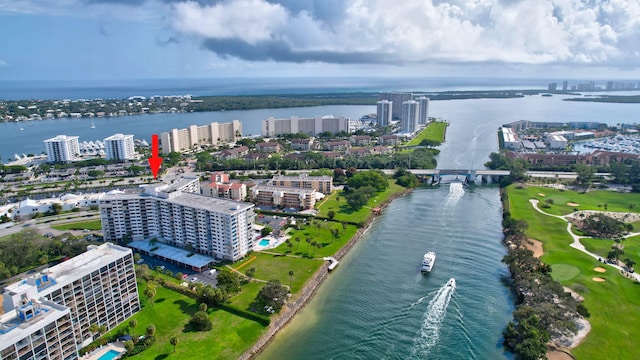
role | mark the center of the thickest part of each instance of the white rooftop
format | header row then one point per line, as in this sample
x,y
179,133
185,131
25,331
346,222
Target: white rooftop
x,y
14,329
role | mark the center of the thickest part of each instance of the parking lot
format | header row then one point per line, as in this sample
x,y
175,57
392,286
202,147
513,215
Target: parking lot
x,y
205,277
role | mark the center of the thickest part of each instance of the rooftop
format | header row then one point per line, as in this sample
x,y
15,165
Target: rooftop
x,y
173,253
14,329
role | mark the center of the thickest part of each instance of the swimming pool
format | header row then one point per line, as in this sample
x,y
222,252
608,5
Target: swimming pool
x,y
263,242
109,355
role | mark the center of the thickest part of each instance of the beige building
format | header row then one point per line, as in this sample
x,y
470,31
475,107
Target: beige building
x,y
272,127
180,140
220,186
323,184
283,197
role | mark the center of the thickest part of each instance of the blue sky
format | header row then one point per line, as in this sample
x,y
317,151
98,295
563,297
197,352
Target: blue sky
x,y
131,39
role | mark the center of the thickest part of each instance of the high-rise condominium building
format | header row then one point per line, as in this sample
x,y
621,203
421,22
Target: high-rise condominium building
x,y
119,147
62,148
384,108
409,120
179,140
54,309
565,85
423,110
310,126
211,226
397,98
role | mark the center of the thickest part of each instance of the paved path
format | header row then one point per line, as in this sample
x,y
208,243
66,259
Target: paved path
x,y
576,244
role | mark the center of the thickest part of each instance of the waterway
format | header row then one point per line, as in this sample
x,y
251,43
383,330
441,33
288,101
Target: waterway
x,y
377,304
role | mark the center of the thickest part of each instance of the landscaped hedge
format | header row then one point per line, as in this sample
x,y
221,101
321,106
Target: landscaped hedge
x,y
262,320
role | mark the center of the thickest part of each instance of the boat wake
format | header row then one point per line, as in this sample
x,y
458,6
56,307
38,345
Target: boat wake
x,y
456,192
432,320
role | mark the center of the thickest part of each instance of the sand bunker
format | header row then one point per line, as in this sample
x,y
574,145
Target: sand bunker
x,y
572,204
598,279
599,269
541,194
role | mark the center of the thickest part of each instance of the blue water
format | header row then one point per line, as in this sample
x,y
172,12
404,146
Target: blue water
x,y
263,242
20,90
110,355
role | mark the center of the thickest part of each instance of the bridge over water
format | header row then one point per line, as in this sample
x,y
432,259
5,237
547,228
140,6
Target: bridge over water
x,y
469,176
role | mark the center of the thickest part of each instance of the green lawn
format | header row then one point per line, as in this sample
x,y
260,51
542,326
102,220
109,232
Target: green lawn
x,y
602,247
276,267
231,335
80,225
434,131
587,201
320,235
344,213
613,304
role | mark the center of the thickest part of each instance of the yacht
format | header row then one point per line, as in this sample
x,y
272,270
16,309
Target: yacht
x,y
92,125
451,283
427,262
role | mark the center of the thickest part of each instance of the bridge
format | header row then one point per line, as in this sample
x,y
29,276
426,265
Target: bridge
x,y
468,176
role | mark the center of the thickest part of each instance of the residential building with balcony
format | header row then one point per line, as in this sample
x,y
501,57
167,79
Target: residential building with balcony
x,y
119,147
283,197
181,140
96,287
220,186
272,127
211,226
383,112
62,149
323,184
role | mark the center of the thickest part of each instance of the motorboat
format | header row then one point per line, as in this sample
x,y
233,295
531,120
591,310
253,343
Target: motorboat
x,y
427,262
451,283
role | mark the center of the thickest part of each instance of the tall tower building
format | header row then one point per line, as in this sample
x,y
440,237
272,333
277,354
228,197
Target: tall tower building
x,y
119,147
409,118
397,98
565,85
62,148
384,112
552,86
423,113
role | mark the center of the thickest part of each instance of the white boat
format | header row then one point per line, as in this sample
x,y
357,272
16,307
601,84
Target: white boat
x,y
451,282
427,262
92,125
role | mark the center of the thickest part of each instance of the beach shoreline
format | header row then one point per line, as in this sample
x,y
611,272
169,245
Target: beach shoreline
x,y
312,286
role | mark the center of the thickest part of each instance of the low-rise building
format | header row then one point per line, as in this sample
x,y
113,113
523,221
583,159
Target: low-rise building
x,y
557,141
340,145
269,147
389,140
301,144
234,153
510,139
220,186
360,140
283,197
323,184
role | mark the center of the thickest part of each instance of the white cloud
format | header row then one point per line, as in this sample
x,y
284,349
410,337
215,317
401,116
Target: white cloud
x,y
523,31
246,20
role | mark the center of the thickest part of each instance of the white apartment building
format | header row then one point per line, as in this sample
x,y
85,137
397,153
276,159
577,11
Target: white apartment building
x,y
311,126
510,139
95,287
409,120
62,148
119,147
179,140
37,329
323,184
557,141
423,110
212,226
383,111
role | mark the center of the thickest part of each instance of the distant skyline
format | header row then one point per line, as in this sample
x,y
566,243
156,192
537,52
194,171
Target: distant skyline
x,y
157,39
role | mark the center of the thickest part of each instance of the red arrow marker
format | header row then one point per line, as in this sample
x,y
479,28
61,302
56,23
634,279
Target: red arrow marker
x,y
154,160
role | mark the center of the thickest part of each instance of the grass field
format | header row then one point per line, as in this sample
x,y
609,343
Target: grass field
x,y
230,336
434,131
344,213
320,235
614,304
80,225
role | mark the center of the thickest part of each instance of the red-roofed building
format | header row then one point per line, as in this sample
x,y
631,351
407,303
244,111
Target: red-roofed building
x,y
270,147
221,187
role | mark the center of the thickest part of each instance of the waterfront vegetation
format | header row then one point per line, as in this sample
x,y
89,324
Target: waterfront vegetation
x,y
434,132
613,303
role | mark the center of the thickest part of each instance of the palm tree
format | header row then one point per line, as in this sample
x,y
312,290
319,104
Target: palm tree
x,y
314,245
290,278
133,323
631,206
203,307
297,240
308,241
174,341
151,329
150,293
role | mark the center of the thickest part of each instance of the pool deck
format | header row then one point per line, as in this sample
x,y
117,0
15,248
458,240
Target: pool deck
x,y
95,354
274,242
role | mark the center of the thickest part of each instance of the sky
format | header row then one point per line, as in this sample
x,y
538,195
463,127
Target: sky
x,y
160,39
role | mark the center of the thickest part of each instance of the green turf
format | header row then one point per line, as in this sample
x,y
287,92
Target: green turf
x,y
614,304
230,336
322,235
80,225
434,131
564,272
